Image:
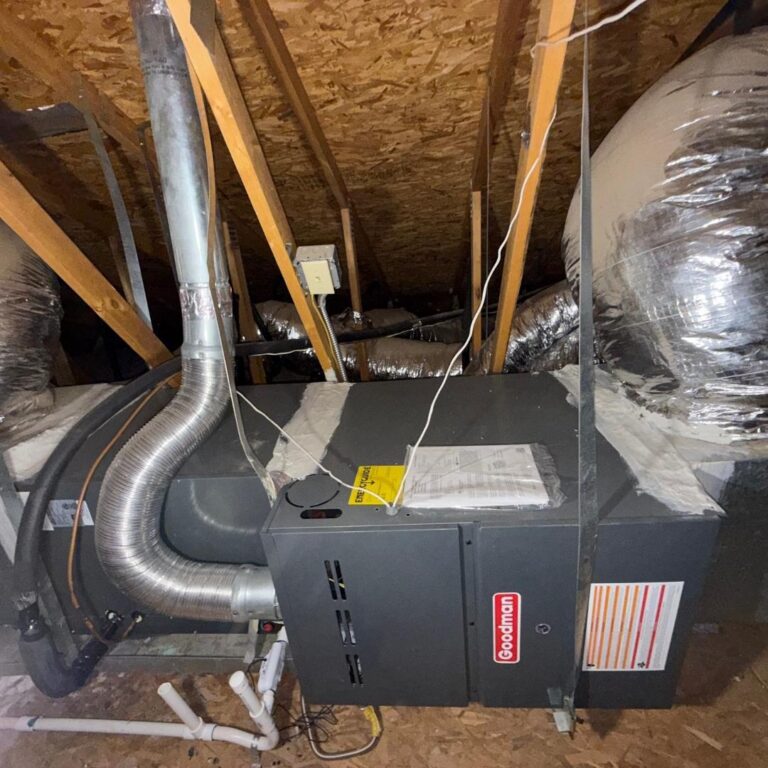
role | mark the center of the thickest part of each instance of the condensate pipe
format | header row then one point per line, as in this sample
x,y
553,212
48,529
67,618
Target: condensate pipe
x,y
192,726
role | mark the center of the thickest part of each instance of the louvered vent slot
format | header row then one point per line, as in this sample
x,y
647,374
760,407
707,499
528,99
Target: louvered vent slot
x,y
346,630
331,580
350,628
340,580
355,669
342,628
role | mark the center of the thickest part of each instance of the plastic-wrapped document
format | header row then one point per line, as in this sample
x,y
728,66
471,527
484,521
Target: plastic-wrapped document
x,y
479,476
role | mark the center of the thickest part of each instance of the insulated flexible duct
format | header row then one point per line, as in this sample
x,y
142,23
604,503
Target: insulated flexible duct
x,y
387,358
680,244
30,310
129,543
542,337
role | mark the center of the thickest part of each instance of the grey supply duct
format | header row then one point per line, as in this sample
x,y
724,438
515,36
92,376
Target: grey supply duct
x,y
388,358
30,313
542,336
128,539
680,247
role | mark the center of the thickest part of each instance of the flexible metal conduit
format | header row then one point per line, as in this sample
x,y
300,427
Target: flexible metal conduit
x,y
128,539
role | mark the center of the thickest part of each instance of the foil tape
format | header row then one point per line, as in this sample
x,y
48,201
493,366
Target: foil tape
x,y
680,242
196,301
30,316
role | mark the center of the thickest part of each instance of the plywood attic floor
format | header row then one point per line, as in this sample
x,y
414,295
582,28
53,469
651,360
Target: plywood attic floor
x,y
721,720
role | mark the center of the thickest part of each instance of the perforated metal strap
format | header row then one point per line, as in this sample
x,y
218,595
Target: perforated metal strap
x,y
121,214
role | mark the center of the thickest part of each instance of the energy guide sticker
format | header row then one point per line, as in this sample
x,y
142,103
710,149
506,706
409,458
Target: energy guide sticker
x,y
383,479
630,626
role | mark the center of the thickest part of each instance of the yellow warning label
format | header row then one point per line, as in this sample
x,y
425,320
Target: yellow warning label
x,y
383,479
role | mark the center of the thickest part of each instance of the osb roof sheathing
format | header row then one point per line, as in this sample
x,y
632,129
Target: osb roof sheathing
x,y
397,87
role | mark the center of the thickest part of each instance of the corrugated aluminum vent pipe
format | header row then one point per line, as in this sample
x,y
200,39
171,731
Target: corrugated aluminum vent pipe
x,y
128,539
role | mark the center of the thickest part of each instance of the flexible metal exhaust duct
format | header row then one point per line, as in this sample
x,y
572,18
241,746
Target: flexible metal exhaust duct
x,y
128,539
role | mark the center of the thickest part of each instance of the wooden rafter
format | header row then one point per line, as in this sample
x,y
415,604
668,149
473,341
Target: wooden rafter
x,y
26,217
507,39
555,20
476,267
40,59
265,29
33,174
217,79
354,284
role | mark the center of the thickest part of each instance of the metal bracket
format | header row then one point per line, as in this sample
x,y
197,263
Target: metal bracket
x,y
563,711
121,213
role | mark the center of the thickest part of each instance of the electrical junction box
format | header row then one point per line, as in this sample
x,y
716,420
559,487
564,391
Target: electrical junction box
x,y
442,607
318,268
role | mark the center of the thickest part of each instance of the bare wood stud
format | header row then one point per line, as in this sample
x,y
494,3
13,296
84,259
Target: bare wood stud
x,y
555,19
26,217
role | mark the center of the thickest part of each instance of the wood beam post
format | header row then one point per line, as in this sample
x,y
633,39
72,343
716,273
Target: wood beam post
x,y
354,286
265,29
555,20
476,268
24,215
218,81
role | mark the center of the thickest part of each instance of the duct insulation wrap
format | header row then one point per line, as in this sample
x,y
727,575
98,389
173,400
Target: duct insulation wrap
x,y
680,241
543,336
30,314
388,357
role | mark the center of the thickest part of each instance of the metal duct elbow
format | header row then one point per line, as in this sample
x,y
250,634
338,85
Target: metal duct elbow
x,y
129,543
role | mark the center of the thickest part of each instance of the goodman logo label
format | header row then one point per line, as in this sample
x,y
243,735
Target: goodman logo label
x,y
506,627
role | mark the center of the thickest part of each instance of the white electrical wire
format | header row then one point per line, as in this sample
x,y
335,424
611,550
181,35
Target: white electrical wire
x,y
311,457
483,298
587,30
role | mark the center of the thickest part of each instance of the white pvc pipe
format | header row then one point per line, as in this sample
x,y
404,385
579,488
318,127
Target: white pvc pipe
x,y
180,707
211,732
192,726
258,711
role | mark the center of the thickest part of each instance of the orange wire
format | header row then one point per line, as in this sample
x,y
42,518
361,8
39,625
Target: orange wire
x,y
81,500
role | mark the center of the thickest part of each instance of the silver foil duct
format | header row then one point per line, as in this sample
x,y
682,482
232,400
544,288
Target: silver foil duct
x,y
129,543
542,335
388,358
30,313
395,358
680,242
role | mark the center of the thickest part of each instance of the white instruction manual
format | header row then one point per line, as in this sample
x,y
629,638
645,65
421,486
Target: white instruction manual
x,y
473,477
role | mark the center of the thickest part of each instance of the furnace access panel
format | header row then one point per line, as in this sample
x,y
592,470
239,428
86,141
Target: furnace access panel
x,y
447,606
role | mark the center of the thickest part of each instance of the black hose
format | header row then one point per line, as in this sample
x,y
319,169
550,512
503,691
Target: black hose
x,y
47,667
43,661
345,337
27,555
